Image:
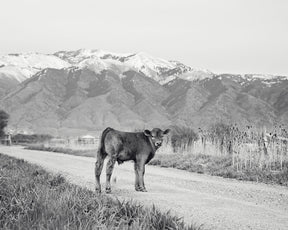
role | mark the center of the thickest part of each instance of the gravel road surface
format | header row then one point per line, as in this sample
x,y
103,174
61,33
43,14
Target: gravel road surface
x,y
215,202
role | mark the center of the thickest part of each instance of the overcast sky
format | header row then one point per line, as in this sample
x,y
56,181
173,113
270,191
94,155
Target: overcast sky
x,y
235,36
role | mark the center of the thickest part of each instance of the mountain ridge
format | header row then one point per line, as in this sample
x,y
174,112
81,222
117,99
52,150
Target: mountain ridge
x,y
92,89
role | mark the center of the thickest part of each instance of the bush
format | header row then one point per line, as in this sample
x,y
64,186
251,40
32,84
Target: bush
x,y
28,139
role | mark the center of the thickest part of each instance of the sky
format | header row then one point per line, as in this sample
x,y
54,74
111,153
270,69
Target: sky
x,y
223,36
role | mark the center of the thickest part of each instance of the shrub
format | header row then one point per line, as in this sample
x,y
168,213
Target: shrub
x,y
34,138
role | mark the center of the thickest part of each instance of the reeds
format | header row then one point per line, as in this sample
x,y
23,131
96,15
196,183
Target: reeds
x,y
248,147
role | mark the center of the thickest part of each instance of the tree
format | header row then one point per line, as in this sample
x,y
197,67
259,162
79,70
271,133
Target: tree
x,y
3,121
182,137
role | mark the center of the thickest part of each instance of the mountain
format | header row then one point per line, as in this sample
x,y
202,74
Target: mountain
x,y
158,69
74,100
15,68
73,92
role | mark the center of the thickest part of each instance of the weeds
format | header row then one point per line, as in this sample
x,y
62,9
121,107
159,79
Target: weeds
x,y
220,166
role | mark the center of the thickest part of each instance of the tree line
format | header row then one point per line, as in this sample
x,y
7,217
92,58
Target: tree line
x,y
4,117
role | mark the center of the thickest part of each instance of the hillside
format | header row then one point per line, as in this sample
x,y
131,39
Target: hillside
x,y
16,68
84,91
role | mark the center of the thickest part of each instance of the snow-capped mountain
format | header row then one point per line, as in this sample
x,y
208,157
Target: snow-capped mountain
x,y
197,75
77,56
75,91
267,79
20,67
158,69
23,66
16,68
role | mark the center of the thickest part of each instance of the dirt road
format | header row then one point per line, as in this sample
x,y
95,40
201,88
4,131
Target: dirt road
x,y
216,202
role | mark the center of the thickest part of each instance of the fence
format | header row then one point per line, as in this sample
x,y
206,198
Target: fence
x,y
76,144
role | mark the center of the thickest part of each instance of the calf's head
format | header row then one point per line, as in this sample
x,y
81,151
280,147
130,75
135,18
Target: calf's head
x,y
156,136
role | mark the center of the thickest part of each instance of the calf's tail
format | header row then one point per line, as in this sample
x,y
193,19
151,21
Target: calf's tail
x,y
102,145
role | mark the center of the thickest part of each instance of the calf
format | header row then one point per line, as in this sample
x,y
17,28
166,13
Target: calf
x,y
124,146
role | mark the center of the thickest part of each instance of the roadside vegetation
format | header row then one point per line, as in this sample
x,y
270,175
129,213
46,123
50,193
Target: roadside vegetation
x,y
65,150
243,153
25,139
31,198
221,166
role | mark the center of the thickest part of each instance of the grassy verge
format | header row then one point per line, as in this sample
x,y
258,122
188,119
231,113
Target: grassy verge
x,y
220,166
31,198
84,153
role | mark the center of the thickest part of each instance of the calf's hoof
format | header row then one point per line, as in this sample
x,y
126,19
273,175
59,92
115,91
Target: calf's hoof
x,y
108,190
98,190
140,189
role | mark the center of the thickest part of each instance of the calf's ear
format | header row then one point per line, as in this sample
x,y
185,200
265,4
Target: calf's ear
x,y
166,131
147,133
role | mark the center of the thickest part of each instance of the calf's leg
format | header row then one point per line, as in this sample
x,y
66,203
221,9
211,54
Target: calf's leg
x,y
141,171
98,169
109,170
136,177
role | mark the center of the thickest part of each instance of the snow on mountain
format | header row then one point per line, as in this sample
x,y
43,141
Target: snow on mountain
x,y
14,72
265,77
34,60
149,65
95,64
158,69
23,66
161,70
75,57
197,75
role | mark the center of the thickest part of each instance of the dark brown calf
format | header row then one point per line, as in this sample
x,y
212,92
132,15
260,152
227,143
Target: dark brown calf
x,y
124,146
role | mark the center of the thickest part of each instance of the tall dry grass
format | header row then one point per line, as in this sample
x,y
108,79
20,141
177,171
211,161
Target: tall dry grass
x,y
249,147
245,153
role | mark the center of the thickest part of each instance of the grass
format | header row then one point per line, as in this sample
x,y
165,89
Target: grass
x,y
76,152
31,198
221,166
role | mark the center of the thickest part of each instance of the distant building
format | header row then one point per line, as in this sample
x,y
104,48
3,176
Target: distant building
x,y
6,139
87,139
